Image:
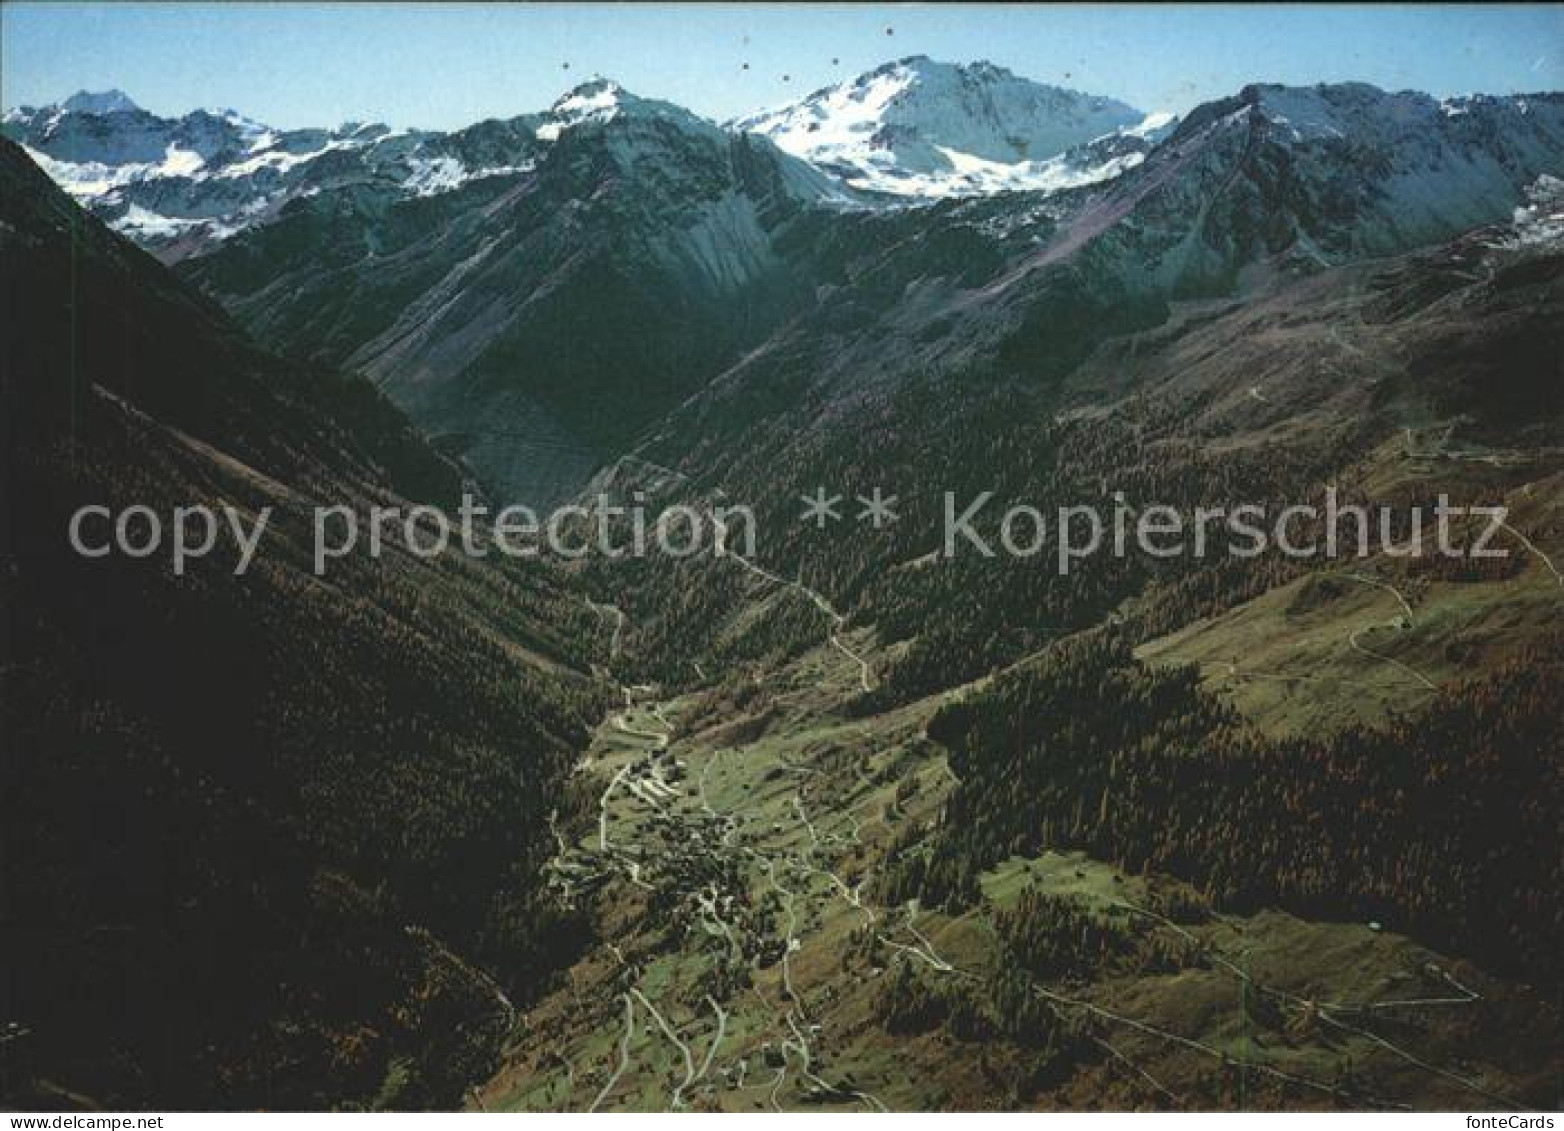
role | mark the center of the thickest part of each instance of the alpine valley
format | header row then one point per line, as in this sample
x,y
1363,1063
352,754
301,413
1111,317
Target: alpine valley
x,y
843,819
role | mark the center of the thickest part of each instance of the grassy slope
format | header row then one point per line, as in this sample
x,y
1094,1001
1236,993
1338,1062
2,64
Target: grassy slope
x,y
844,774
1287,660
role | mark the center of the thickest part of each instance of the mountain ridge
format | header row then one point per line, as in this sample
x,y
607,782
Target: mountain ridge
x,y
640,252
620,215
912,130
920,128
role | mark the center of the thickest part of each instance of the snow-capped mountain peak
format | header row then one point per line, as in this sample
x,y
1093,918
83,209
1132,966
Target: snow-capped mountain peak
x,y
918,127
209,174
595,101
191,181
99,102
603,100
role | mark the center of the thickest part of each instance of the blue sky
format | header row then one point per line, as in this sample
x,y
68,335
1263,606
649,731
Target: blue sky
x,y
293,64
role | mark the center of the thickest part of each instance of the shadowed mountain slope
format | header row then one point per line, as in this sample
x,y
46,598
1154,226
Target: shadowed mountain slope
x,y
263,832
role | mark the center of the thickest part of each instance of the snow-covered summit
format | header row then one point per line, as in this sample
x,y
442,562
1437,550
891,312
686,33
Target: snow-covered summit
x,y
211,173
918,127
602,101
595,101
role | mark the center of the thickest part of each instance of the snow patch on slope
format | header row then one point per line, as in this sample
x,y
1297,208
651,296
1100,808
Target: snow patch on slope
x,y
593,102
89,180
1539,223
973,176
834,125
434,175
141,223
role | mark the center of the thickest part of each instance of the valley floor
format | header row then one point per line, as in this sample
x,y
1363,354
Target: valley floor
x,y
743,965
